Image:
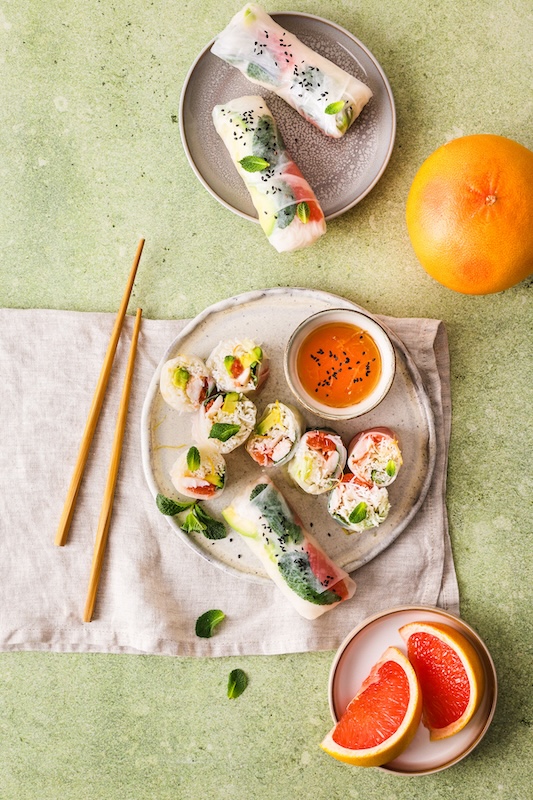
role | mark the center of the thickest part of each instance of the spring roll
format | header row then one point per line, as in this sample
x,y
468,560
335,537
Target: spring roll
x,y
357,506
276,435
288,210
199,473
270,56
225,420
238,365
318,461
374,456
290,555
185,382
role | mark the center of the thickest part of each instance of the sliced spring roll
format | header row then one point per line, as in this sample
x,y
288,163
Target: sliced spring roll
x,y
185,382
374,456
290,555
318,462
272,57
238,365
358,506
225,420
199,473
288,210
276,435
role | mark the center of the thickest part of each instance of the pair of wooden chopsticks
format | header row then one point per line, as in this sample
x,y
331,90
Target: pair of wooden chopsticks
x,y
88,434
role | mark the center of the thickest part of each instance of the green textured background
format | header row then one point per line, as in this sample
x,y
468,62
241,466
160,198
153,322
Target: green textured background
x,y
90,160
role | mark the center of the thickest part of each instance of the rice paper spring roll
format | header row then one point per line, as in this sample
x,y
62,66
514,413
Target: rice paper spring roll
x,y
318,461
270,56
374,456
276,435
199,473
358,506
225,419
185,382
290,555
238,365
287,208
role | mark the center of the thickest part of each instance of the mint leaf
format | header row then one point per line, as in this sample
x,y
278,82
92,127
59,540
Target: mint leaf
x,y
334,108
207,622
257,490
277,513
212,528
237,683
295,569
193,459
223,431
358,514
254,163
171,507
302,210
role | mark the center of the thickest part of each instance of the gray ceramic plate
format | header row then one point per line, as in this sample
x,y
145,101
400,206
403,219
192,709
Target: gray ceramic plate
x,y
341,171
406,409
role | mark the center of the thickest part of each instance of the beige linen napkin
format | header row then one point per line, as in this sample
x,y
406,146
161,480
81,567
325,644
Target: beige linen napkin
x,y
153,586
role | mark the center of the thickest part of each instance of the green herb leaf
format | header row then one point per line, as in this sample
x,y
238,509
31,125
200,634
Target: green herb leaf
x,y
358,514
257,490
237,683
286,216
334,108
295,569
390,469
212,528
193,459
192,523
257,73
223,431
254,163
171,507
278,515
207,622
302,210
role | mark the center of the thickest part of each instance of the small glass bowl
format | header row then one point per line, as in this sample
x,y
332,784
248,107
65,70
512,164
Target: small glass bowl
x,y
350,317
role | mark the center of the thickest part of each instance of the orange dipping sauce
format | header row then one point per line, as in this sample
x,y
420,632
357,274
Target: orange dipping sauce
x,y
338,364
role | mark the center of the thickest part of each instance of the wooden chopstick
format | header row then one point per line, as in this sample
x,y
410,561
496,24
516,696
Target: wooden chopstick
x,y
107,504
96,406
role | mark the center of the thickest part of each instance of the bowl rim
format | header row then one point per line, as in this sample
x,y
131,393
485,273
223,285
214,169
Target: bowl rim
x,y
347,412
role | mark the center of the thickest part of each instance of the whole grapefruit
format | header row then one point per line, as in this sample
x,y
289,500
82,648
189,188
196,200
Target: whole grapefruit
x,y
470,214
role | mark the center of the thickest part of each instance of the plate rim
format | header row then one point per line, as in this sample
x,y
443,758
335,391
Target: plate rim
x,y
388,92
247,297
481,646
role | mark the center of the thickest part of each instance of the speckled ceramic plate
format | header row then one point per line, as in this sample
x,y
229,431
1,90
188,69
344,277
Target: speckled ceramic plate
x,y
365,645
341,171
269,317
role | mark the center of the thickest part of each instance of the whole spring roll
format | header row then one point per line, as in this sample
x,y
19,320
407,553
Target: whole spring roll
x,y
374,456
276,435
272,57
358,506
318,461
225,420
288,210
290,555
185,382
238,365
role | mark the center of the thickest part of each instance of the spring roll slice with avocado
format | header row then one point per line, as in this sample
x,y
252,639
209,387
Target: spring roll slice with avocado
x,y
199,473
318,462
374,456
287,208
238,365
276,435
294,560
268,55
357,506
185,382
225,420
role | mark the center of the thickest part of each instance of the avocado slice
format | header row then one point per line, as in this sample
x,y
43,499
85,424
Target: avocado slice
x,y
180,378
238,523
230,402
272,418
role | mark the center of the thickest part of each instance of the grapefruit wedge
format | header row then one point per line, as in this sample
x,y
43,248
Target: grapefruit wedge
x,y
381,720
450,674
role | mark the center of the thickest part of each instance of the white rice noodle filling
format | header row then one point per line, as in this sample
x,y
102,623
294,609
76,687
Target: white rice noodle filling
x,y
275,435
238,365
357,506
225,421
185,383
374,456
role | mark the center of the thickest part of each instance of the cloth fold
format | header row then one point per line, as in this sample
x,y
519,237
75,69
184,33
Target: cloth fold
x,y
153,587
